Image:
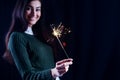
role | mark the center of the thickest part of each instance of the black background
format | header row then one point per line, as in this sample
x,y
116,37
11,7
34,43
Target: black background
x,y
94,43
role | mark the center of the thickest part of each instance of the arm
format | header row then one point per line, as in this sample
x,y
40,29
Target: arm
x,y
17,47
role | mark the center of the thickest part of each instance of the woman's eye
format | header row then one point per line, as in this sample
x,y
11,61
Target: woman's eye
x,y
28,8
38,9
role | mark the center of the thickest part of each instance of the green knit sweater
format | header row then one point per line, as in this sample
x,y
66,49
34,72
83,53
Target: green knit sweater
x,y
33,58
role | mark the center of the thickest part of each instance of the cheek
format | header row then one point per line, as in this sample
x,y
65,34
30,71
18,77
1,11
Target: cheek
x,y
27,13
39,15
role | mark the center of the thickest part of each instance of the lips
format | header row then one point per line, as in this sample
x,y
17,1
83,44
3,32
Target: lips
x,y
32,19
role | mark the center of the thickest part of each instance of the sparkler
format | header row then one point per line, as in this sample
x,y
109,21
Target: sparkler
x,y
58,32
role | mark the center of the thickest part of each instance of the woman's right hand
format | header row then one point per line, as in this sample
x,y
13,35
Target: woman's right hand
x,y
61,67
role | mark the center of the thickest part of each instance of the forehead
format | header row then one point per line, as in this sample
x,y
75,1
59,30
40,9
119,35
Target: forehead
x,y
34,3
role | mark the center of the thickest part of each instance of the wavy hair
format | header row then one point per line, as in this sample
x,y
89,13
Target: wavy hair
x,y
19,24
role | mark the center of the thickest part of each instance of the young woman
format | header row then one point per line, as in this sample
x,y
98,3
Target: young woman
x,y
33,58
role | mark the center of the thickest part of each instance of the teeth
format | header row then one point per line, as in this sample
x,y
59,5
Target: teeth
x,y
32,19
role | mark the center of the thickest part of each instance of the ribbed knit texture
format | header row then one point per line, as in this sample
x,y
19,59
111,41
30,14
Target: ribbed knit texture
x,y
33,58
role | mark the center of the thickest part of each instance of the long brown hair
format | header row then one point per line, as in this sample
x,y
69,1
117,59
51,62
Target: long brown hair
x,y
19,24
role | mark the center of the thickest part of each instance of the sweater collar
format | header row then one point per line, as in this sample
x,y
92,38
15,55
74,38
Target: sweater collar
x,y
29,31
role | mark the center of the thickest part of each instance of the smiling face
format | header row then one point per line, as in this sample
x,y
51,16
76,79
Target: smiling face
x,y
33,12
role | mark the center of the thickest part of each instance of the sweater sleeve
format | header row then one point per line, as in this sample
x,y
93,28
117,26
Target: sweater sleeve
x,y
17,46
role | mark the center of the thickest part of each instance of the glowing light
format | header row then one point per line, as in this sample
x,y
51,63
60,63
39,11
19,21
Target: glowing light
x,y
58,32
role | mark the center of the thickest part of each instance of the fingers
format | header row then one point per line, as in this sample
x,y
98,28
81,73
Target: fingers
x,y
68,61
67,68
61,67
59,72
64,64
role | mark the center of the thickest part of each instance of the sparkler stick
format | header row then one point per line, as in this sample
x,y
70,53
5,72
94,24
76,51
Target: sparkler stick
x,y
62,47
57,32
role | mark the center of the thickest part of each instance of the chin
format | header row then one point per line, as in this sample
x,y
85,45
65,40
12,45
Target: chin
x,y
32,23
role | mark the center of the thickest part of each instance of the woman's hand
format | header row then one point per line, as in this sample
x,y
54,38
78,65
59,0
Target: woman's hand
x,y
61,67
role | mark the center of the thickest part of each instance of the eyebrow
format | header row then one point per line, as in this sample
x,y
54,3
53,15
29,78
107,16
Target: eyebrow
x,y
38,7
31,6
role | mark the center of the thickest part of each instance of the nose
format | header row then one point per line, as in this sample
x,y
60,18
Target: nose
x,y
33,13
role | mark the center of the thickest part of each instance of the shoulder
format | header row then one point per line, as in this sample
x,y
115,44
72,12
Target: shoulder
x,y
17,39
17,36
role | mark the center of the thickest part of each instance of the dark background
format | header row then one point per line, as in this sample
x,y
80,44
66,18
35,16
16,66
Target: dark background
x,y
94,43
